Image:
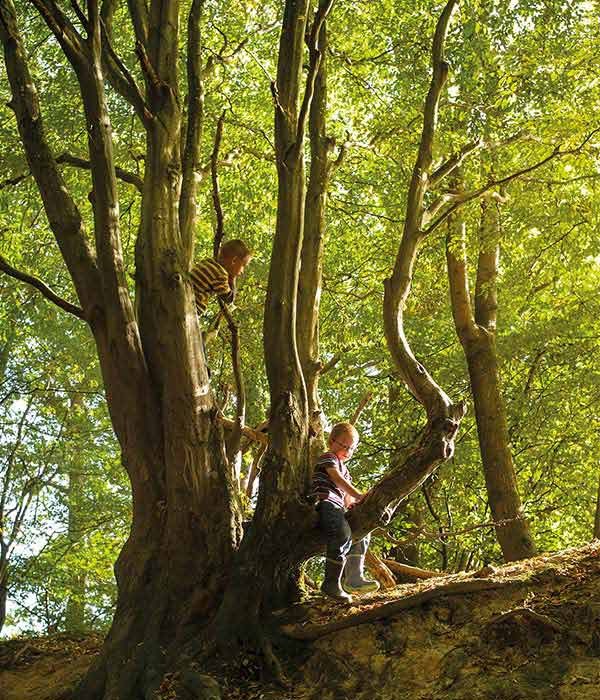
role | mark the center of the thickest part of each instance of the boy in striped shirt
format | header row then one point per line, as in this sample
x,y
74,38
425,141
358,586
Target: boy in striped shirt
x,y
333,489
210,276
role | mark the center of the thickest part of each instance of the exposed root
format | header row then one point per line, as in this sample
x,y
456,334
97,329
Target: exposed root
x,y
315,631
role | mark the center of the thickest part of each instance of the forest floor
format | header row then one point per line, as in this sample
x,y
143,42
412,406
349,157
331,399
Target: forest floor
x,y
525,631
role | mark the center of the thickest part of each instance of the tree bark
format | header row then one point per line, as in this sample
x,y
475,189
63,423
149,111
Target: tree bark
x,y
311,270
597,514
477,334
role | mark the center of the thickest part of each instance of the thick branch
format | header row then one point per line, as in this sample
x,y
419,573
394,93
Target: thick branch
x,y
313,67
41,287
486,297
67,36
125,175
121,79
193,135
397,288
138,11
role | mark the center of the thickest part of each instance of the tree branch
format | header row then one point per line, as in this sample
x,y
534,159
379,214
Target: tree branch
x,y
456,259
63,216
194,128
216,195
361,407
67,36
460,199
138,11
125,175
233,444
120,78
313,68
397,288
41,287
453,162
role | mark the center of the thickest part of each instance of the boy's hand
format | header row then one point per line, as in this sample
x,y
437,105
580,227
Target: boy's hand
x,y
355,500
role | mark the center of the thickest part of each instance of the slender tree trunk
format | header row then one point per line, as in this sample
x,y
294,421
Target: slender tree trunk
x,y
477,334
3,589
311,271
597,515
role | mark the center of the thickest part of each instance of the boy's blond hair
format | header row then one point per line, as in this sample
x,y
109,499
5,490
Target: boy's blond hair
x,y
340,429
235,248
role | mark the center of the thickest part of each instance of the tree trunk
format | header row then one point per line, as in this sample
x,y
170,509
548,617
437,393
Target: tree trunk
x,y
597,514
3,590
311,270
267,567
477,334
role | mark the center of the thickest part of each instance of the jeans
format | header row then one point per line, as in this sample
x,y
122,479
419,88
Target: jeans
x,y
332,520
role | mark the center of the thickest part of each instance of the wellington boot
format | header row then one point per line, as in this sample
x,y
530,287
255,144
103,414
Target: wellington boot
x,y
354,575
331,583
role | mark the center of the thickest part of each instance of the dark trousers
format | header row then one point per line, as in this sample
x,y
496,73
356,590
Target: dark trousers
x,y
332,520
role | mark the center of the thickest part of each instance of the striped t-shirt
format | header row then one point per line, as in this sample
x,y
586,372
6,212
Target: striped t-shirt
x,y
323,487
210,277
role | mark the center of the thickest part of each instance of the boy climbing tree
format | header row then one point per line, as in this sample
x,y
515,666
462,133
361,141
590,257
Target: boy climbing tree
x,y
333,489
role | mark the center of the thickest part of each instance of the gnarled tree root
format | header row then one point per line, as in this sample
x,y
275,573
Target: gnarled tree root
x,y
312,631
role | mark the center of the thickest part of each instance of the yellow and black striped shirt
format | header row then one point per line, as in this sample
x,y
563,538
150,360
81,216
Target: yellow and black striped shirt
x,y
210,277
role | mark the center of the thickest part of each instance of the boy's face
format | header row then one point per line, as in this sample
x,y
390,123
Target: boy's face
x,y
344,445
236,265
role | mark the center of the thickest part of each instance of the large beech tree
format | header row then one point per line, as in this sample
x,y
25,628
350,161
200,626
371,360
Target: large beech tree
x,y
185,573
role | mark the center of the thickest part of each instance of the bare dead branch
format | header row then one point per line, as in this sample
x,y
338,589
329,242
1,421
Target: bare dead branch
x,y
413,571
41,287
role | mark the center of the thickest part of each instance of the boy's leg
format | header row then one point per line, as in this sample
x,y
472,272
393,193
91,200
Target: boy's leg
x,y
354,571
339,539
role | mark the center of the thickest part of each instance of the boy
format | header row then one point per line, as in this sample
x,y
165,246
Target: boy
x,y
332,487
211,276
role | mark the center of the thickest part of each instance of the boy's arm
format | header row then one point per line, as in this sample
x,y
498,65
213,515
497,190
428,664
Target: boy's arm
x,y
224,288
343,484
